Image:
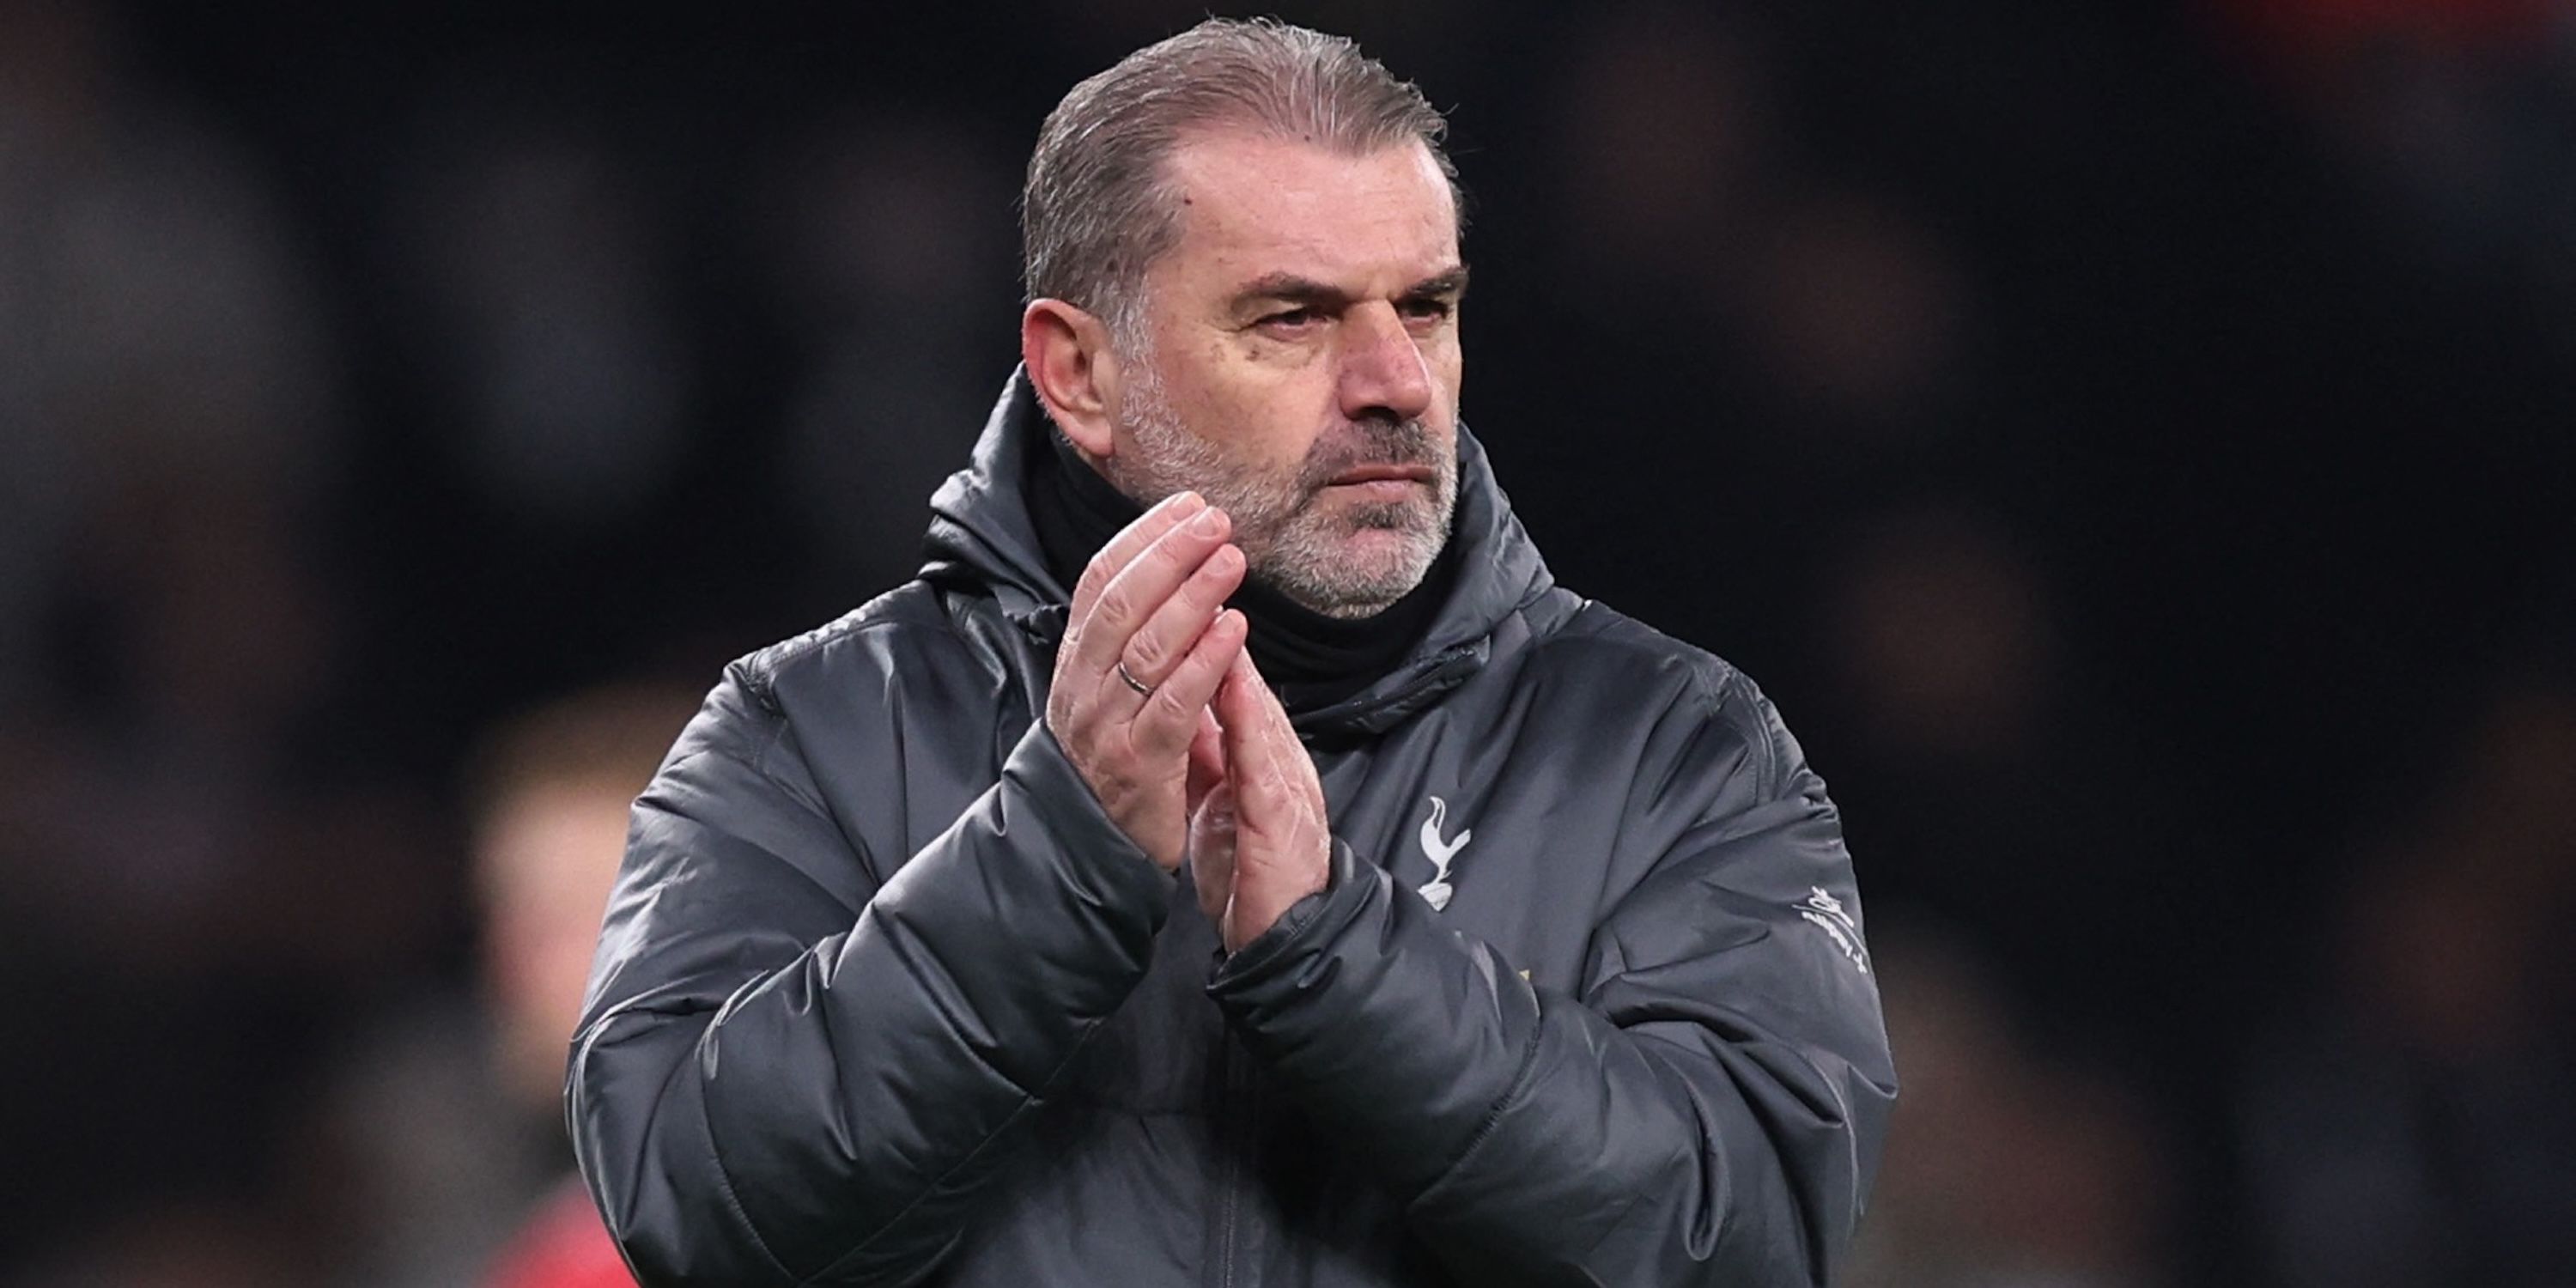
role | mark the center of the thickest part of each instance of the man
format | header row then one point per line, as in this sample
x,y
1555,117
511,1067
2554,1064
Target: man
x,y
551,792
1408,921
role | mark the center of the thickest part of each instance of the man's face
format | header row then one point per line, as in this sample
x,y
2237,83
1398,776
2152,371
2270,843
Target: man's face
x,y
1301,364
546,859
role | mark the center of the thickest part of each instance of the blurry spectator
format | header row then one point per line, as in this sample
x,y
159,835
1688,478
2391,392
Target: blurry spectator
x,y
550,806
1985,784
1860,315
882,262
541,269
1772,344
157,326
2413,1128
165,402
2004,1169
457,1121
183,1243
176,906
1684,202
1947,647
2458,115
1664,155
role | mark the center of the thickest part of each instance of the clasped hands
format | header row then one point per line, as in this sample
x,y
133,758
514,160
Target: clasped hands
x,y
1162,712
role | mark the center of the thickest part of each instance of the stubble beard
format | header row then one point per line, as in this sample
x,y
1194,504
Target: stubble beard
x,y
1289,540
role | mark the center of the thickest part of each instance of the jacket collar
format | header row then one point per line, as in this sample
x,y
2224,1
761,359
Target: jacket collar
x,y
981,533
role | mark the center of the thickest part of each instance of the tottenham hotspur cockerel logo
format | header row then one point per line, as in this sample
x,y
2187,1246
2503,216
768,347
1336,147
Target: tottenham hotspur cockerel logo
x,y
1441,853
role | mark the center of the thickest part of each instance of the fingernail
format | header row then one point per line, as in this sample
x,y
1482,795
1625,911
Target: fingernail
x,y
1207,522
1185,502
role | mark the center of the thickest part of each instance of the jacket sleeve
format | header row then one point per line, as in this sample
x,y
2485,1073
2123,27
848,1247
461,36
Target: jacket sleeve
x,y
789,1074
1708,1107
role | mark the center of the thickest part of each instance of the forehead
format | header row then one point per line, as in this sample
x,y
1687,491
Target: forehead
x,y
1254,204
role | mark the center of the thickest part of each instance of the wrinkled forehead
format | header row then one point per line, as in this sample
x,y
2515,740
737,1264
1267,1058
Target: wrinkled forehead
x,y
1251,205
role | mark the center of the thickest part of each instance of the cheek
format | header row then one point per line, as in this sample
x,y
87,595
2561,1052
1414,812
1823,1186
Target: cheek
x,y
1278,437
1263,414
1448,366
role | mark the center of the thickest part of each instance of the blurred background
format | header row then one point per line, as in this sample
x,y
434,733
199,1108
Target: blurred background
x,y
2132,443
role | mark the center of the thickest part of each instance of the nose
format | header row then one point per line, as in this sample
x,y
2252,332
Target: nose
x,y
1383,372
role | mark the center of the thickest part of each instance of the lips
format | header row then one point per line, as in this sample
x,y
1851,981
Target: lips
x,y
1384,474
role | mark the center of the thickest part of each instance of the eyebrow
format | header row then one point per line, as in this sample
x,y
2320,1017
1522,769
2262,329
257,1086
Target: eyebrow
x,y
1309,293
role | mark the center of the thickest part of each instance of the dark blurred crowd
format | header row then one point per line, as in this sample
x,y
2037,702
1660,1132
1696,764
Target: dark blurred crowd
x,y
2136,446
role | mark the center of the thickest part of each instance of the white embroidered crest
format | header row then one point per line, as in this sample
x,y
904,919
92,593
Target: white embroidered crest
x,y
1441,853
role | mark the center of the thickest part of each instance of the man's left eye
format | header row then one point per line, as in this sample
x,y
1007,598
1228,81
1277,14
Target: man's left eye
x,y
1426,310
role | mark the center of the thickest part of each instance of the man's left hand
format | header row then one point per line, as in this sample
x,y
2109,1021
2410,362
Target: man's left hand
x,y
1258,838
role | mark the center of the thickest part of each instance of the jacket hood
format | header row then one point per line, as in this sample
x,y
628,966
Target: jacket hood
x,y
981,533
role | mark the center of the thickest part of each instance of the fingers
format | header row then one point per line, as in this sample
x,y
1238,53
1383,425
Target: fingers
x,y
1243,706
1212,852
1239,716
1129,736
1282,848
1158,645
1169,721
1130,542
1136,592
1207,759
1256,729
1211,809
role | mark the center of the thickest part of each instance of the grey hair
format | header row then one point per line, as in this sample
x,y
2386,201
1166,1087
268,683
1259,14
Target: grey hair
x,y
1097,212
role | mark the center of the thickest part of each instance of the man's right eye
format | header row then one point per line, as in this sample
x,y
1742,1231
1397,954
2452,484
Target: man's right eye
x,y
1290,319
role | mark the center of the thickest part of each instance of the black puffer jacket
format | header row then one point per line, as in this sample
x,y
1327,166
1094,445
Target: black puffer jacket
x,y
884,998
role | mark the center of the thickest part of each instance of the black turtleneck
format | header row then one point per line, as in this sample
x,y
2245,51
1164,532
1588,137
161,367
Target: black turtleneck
x,y
1313,660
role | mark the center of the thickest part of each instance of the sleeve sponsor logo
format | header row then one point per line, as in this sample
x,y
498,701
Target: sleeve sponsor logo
x,y
1826,913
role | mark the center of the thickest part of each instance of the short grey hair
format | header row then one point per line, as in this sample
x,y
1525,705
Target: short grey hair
x,y
1097,212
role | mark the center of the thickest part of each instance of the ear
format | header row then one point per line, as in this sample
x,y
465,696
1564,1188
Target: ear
x,y
1069,360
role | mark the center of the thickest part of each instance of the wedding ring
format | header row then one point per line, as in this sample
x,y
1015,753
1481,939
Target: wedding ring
x,y
1142,689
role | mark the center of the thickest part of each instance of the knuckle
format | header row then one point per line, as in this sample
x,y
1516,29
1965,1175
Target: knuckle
x,y
1145,652
1166,707
1095,576
1172,550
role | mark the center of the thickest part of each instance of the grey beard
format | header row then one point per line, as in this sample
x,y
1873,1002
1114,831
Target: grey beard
x,y
1286,542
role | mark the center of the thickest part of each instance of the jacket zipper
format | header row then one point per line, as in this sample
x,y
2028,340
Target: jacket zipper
x,y
1239,1103
1225,1233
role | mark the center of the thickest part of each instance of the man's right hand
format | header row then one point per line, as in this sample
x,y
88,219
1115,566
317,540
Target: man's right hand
x,y
1152,601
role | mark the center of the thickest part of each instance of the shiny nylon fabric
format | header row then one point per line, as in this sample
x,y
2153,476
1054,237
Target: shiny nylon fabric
x,y
884,998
